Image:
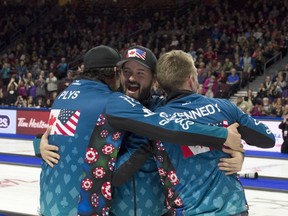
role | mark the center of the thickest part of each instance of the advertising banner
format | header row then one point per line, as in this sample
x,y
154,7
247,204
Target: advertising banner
x,y
32,122
7,121
273,126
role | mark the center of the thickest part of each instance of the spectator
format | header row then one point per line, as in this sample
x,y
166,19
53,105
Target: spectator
x,y
267,107
210,55
157,90
21,70
31,89
28,77
52,66
278,75
35,70
262,91
80,70
236,64
237,51
280,83
40,88
215,34
11,93
246,63
257,109
286,69
259,60
233,80
228,64
226,50
48,103
268,82
2,100
200,89
250,98
277,107
62,69
30,102
209,93
22,88
5,73
272,93
39,103
284,127
174,43
222,77
45,65
69,78
243,105
52,85
163,51
210,84
202,73
53,95
285,109
20,102
248,66
192,52
218,68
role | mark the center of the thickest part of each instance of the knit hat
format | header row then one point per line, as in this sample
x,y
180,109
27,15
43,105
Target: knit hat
x,y
141,55
101,57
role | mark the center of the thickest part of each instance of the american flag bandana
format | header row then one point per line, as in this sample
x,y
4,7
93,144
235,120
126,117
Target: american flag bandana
x,y
64,121
138,53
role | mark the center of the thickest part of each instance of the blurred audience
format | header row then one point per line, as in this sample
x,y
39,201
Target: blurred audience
x,y
224,42
245,106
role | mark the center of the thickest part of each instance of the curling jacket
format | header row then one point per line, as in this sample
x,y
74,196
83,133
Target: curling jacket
x,y
87,119
190,174
138,192
193,183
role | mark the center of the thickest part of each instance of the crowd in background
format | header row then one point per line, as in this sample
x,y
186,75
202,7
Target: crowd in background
x,y
230,41
271,98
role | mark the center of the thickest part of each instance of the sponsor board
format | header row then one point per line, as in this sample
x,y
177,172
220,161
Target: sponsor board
x,y
32,122
7,121
273,126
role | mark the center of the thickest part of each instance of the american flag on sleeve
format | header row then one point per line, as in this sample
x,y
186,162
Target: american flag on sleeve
x,y
65,121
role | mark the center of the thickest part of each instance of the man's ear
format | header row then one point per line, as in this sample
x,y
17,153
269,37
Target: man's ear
x,y
191,81
154,80
117,71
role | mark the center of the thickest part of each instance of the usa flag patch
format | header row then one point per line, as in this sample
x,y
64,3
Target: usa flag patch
x,y
138,53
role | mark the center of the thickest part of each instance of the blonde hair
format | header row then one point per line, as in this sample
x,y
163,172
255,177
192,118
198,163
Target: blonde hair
x,y
173,68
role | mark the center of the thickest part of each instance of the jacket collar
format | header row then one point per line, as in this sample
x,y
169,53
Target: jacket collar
x,y
178,94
